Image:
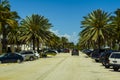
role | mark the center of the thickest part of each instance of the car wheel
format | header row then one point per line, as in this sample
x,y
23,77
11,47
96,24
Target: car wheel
x,y
116,69
18,61
31,59
36,57
107,66
103,63
96,60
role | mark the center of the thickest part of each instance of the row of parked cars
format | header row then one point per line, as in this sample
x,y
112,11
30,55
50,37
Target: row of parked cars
x,y
21,56
108,58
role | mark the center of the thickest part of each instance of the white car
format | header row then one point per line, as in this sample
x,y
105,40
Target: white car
x,y
114,60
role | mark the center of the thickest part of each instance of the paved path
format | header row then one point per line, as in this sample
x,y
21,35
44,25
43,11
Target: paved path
x,y
61,67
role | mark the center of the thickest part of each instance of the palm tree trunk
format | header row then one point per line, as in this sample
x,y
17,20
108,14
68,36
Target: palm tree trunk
x,y
0,47
33,43
4,41
38,45
88,43
99,41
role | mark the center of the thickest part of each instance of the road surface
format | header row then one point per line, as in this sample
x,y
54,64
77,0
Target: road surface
x,y
61,67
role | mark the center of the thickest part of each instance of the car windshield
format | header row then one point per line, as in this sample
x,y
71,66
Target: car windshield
x,y
115,56
5,54
2,55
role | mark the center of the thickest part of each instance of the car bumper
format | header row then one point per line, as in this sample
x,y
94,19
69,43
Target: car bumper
x,y
115,65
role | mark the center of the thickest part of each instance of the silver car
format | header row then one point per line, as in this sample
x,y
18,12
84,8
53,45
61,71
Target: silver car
x,y
29,55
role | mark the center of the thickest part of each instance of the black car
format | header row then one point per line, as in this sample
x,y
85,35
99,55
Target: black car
x,y
96,54
51,52
75,52
11,57
87,51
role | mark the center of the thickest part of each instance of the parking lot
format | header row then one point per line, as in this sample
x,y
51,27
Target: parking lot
x,y
60,67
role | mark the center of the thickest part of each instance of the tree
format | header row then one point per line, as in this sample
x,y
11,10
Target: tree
x,y
64,42
35,29
96,28
116,25
7,19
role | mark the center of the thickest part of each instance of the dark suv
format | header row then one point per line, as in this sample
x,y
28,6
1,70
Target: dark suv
x,y
104,58
96,54
75,52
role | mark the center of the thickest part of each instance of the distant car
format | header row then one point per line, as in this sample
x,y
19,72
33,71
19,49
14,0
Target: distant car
x,y
11,57
66,50
75,52
51,52
87,51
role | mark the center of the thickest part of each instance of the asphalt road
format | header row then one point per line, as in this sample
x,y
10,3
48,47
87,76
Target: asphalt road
x,y
61,67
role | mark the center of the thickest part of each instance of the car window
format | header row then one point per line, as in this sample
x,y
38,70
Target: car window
x,y
29,52
23,52
2,55
16,55
12,54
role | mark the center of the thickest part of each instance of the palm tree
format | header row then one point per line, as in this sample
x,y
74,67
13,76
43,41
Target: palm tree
x,y
116,25
64,42
7,19
96,28
35,28
53,41
13,36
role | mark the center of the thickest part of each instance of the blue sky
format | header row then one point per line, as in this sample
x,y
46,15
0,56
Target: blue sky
x,y
65,15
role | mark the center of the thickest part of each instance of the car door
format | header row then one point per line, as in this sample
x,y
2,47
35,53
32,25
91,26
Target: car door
x,y
7,58
11,57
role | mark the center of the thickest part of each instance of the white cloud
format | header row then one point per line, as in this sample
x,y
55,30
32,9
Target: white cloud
x,y
71,37
55,31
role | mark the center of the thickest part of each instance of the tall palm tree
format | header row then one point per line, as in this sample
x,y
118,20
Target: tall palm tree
x,y
96,27
116,25
7,19
35,28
